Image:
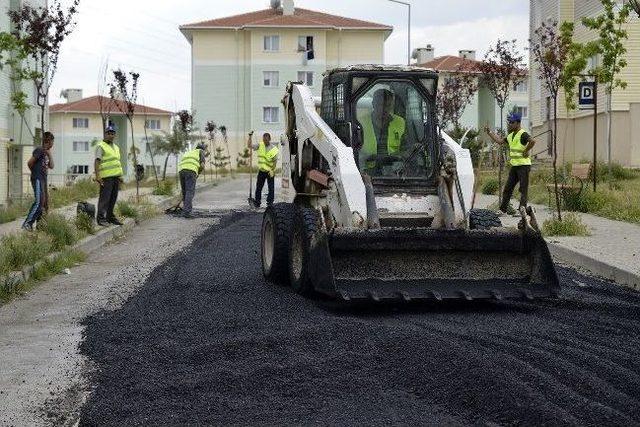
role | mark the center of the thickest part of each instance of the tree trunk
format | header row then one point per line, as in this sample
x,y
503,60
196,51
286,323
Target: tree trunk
x,y
555,155
609,159
164,171
135,161
500,159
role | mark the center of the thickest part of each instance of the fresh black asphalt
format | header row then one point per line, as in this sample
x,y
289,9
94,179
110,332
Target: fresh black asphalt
x,y
207,341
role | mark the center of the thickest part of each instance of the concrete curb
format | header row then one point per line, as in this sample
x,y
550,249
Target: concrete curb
x,y
620,275
93,241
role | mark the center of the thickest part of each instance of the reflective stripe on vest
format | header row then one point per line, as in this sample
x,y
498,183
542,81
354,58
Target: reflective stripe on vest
x,y
110,165
267,159
395,132
516,149
190,161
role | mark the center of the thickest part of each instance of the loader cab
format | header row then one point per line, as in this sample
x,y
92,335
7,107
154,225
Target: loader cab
x,y
387,116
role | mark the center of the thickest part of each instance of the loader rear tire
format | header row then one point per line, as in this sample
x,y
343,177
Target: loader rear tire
x,y
277,223
305,225
483,219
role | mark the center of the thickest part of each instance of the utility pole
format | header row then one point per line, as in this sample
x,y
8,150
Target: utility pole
x,y
408,29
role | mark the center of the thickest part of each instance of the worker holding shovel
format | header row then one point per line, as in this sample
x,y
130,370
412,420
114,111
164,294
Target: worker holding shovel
x,y
267,162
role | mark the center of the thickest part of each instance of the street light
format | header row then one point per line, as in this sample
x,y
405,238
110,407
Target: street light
x,y
408,29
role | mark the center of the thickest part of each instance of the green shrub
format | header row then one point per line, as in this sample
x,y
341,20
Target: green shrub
x,y
618,172
571,225
165,188
14,210
61,231
22,249
490,186
127,210
85,223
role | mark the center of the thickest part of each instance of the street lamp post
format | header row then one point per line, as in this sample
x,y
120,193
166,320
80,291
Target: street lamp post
x,y
408,29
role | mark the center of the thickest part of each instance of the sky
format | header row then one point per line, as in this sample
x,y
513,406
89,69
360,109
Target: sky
x,y
143,36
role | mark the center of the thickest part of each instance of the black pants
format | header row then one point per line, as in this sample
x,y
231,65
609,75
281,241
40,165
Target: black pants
x,y
517,174
262,176
188,187
108,197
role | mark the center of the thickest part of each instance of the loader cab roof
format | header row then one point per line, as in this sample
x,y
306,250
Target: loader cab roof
x,y
372,69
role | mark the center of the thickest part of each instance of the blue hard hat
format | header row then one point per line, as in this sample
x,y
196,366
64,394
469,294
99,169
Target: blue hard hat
x,y
514,117
110,128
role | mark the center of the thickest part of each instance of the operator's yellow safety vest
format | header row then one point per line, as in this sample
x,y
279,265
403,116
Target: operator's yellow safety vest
x,y
110,165
395,132
190,161
267,159
516,149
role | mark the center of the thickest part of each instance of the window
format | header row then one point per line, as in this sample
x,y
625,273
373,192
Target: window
x,y
340,101
152,124
306,77
271,43
305,43
80,169
270,114
270,78
523,111
80,146
80,122
520,86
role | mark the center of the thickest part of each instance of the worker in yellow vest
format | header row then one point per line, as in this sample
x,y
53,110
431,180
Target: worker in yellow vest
x,y
267,163
383,132
191,164
520,145
108,170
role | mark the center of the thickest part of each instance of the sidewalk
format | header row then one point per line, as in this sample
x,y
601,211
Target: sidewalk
x,y
612,250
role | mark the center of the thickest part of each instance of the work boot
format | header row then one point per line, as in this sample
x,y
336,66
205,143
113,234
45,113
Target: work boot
x,y
27,227
115,221
103,222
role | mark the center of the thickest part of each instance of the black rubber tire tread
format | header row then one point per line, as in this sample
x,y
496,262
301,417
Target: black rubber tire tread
x,y
283,214
483,219
308,220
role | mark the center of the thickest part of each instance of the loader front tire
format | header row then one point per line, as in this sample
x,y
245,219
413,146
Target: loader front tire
x,y
483,219
305,225
277,224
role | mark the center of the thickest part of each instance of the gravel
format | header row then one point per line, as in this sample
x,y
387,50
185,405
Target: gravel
x,y
207,341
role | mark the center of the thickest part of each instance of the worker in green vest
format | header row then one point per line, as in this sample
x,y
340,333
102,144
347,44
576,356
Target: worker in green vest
x,y
191,164
383,132
520,145
108,170
267,163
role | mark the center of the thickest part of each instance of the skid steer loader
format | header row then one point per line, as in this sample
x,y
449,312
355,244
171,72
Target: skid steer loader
x,y
377,201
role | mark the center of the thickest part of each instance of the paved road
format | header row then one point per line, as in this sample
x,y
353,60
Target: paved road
x,y
180,328
207,341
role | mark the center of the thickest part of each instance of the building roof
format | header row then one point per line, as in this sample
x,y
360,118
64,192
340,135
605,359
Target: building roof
x,y
274,18
92,105
451,63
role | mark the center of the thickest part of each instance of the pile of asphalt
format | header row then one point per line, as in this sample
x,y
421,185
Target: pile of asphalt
x,y
207,341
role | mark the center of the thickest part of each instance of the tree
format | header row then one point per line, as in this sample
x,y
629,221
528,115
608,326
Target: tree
x,y
34,46
220,160
501,68
456,93
212,130
151,150
170,143
104,104
243,159
610,46
552,49
225,139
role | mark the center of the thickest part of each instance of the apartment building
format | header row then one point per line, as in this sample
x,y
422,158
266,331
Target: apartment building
x,y
575,128
16,133
241,64
78,126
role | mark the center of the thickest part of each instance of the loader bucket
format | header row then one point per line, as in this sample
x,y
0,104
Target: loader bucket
x,y
419,264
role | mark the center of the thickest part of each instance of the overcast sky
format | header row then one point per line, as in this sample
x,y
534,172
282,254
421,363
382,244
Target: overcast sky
x,y
143,35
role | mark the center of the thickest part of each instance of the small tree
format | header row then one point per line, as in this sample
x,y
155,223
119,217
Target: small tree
x,y
105,104
225,139
151,150
610,45
552,49
126,88
212,130
220,160
170,143
501,68
34,49
454,95
243,159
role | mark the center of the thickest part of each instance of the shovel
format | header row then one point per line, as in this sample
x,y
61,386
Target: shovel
x,y
250,199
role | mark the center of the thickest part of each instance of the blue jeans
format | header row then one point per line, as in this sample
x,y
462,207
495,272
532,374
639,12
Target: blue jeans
x,y
35,212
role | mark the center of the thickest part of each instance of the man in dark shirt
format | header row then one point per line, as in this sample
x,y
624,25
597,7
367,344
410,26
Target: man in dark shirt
x,y
520,144
40,162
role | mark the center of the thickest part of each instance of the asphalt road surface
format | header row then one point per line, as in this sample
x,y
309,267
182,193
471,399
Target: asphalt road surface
x,y
205,340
